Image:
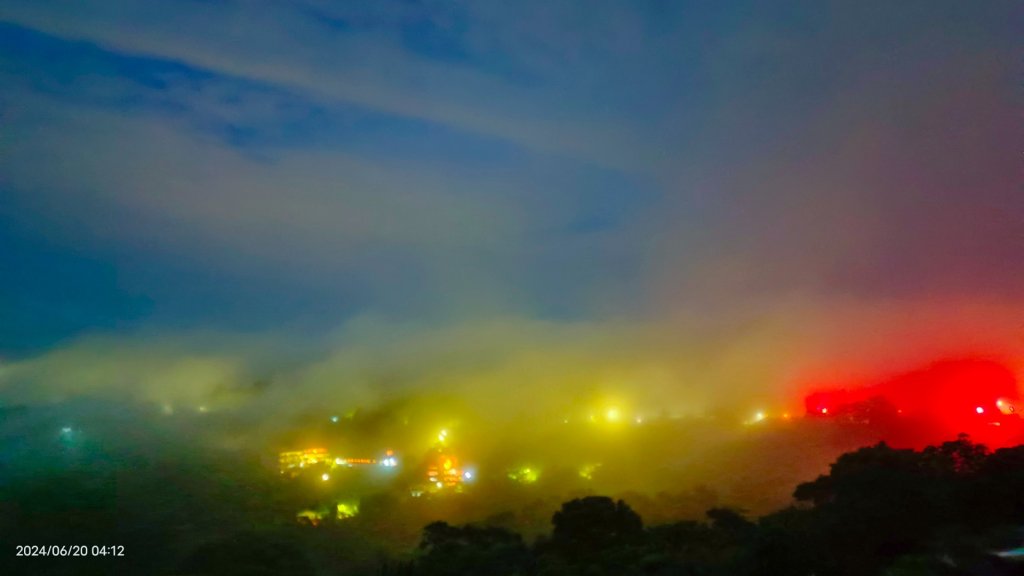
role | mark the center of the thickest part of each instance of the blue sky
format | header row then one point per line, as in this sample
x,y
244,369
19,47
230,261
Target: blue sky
x,y
292,167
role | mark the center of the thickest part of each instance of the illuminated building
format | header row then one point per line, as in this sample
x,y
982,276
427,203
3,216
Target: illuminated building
x,y
388,461
293,460
340,511
351,462
444,472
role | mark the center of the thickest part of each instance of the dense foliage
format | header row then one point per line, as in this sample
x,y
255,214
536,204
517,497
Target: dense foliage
x,y
880,511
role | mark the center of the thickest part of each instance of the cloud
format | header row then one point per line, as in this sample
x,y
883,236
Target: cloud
x,y
507,367
717,201
284,46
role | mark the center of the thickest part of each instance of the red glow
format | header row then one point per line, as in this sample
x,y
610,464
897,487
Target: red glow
x,y
951,396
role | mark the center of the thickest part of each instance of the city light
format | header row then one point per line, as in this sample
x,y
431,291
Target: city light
x,y
587,471
756,418
346,510
524,475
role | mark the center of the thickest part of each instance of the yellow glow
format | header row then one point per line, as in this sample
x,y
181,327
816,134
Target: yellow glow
x,y
612,415
587,471
301,458
347,510
524,475
311,516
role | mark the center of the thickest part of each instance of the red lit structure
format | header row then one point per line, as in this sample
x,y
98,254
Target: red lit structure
x,y
972,396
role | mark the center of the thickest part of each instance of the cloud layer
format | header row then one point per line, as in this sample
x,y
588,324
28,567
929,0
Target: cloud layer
x,y
707,204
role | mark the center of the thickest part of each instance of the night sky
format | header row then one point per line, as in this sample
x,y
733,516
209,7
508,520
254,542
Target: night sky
x,y
695,197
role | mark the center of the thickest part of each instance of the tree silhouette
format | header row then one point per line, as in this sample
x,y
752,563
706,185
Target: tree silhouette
x,y
589,525
456,550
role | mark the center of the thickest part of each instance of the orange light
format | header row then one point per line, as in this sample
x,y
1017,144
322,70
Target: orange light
x,y
824,410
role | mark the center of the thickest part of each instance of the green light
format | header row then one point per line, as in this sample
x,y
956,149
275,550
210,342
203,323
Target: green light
x,y
347,510
524,475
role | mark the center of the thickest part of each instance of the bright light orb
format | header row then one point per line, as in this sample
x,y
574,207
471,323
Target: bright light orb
x,y
979,410
612,415
325,477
